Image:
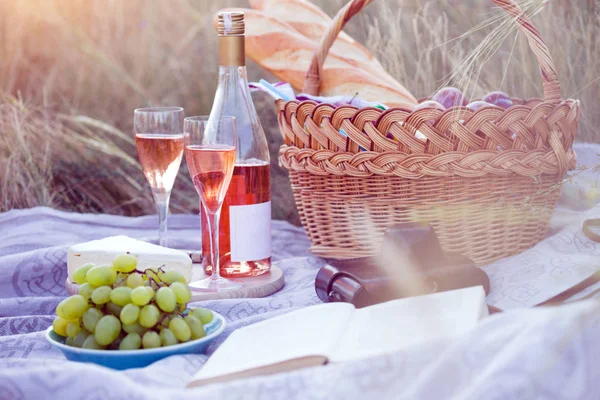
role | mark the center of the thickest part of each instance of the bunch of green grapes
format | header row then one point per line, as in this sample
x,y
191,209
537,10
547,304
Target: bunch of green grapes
x,y
121,307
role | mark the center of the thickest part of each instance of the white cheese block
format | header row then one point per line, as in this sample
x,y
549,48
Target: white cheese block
x,y
103,251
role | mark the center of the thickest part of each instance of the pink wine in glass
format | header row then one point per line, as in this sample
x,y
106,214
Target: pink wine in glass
x,y
160,156
211,166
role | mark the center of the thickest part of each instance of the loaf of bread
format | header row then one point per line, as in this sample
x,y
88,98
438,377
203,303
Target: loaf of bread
x,y
286,53
312,22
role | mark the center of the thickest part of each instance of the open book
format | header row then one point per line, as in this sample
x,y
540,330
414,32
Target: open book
x,y
337,332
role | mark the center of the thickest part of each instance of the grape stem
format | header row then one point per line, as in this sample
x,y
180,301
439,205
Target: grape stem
x,y
162,319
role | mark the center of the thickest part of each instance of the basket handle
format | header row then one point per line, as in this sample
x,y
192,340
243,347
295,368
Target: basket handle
x,y
551,85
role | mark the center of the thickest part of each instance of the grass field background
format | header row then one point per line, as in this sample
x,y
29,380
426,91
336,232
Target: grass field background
x,y
72,71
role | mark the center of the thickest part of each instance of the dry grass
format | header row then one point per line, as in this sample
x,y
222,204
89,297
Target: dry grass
x,y
72,71
71,74
64,161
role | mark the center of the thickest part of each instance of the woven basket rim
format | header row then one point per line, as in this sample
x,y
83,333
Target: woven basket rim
x,y
283,105
543,145
517,101
415,166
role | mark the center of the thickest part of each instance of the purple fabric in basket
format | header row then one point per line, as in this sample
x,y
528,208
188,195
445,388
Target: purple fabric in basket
x,y
549,353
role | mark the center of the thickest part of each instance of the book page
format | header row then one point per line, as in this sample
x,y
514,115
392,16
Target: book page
x,y
309,332
401,323
277,368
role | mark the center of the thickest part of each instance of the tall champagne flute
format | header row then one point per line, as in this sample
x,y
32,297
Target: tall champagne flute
x,y
210,156
159,140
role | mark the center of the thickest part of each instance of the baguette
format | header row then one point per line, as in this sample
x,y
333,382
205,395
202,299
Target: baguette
x,y
303,15
280,49
312,22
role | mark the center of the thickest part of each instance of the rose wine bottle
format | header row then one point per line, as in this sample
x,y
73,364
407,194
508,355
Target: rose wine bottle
x,y
245,226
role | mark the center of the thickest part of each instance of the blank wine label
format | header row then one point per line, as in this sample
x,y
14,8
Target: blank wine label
x,y
250,232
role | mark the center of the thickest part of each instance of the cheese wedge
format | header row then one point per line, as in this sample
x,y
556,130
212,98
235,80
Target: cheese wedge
x,y
103,251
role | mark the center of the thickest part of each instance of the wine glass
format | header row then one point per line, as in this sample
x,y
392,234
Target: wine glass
x,y
210,155
159,140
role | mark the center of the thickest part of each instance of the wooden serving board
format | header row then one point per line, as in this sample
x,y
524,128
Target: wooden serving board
x,y
258,286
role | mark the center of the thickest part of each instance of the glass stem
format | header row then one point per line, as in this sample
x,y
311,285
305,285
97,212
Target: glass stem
x,y
213,228
162,206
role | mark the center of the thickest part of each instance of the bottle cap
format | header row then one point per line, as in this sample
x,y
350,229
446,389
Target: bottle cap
x,y
231,23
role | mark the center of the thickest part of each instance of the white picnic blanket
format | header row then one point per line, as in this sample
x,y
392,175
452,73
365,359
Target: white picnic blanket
x,y
543,353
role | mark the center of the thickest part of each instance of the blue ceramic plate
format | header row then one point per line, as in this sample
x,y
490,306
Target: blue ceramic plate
x,y
137,358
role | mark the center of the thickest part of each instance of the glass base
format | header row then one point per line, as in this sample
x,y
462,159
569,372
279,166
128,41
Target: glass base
x,y
213,284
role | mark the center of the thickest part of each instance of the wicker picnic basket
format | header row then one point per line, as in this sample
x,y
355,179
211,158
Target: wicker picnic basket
x,y
487,180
